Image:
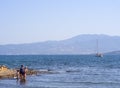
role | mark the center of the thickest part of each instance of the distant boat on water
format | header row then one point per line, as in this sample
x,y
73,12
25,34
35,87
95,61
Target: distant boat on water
x,y
98,54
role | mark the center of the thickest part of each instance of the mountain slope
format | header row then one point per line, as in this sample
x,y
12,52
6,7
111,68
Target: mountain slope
x,y
81,44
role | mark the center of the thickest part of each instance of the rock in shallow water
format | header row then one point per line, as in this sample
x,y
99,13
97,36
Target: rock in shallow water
x,y
5,72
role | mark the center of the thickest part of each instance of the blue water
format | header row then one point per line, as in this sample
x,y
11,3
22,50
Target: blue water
x,y
69,71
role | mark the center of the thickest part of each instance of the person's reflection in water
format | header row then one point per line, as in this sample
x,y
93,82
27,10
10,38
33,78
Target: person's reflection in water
x,y
22,82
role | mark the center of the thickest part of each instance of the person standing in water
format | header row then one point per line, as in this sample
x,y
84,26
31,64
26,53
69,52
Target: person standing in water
x,y
22,72
17,74
25,69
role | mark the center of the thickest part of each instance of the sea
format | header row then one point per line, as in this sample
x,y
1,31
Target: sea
x,y
69,71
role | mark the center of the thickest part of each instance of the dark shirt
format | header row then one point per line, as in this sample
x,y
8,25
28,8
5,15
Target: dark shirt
x,y
22,71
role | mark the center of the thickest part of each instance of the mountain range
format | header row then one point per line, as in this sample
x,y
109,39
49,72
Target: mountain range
x,y
81,44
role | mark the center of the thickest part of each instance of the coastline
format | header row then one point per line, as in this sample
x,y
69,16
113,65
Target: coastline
x,y
6,72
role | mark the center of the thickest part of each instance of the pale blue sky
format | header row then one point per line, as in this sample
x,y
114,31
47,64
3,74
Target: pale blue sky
x,y
25,21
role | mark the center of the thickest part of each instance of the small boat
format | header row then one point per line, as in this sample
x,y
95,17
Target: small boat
x,y
98,54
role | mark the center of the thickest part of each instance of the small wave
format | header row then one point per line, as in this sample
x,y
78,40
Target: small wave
x,y
105,83
79,82
70,71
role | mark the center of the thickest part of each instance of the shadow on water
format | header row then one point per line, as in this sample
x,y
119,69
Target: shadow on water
x,y
21,81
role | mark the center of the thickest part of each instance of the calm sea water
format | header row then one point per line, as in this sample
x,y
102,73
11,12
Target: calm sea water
x,y
70,71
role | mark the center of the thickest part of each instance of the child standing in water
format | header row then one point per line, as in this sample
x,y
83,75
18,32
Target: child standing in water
x,y
17,74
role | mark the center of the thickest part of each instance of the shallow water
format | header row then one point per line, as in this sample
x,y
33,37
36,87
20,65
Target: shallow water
x,y
70,71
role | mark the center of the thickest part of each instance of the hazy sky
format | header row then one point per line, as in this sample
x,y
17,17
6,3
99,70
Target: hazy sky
x,y
24,21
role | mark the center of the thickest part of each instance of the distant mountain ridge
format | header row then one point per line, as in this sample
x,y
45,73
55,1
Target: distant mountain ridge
x,y
81,44
113,53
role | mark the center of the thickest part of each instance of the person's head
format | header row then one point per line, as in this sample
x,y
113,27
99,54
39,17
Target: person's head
x,y
21,65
